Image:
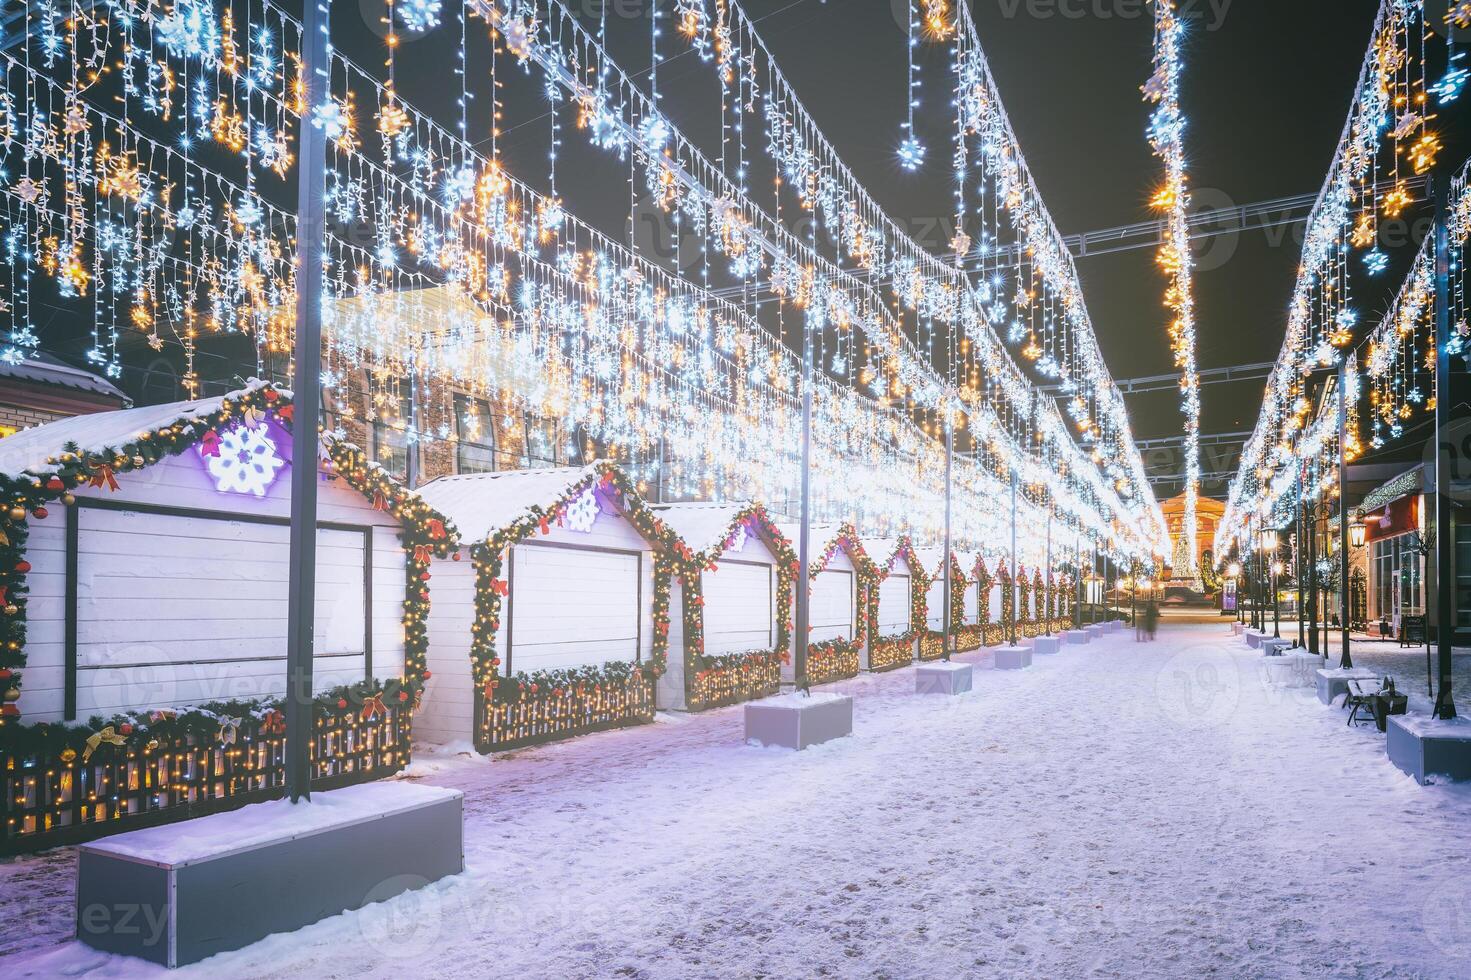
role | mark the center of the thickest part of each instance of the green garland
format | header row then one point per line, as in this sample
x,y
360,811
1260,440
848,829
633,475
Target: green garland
x,y
984,580
490,588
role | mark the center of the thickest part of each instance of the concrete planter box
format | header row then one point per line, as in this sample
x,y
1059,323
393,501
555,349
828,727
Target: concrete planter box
x,y
180,892
1274,646
1013,658
1254,639
1046,644
796,721
1236,628
1076,636
1094,630
1332,683
1430,750
943,678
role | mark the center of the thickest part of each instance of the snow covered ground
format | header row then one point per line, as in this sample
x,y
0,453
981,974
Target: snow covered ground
x,y
1119,810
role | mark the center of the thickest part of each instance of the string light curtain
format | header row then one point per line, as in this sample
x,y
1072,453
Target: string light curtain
x,y
1167,137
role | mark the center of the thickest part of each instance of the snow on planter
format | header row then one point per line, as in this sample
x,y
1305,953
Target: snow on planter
x,y
143,568
843,592
735,596
559,623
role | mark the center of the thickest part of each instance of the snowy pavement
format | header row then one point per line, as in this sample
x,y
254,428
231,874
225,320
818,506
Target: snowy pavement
x,y
1119,810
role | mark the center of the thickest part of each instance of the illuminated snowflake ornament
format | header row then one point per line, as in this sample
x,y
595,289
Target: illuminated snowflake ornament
x,y
911,154
419,15
244,460
582,512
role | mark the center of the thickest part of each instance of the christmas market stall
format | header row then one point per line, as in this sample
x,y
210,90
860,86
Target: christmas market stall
x,y
843,593
900,615
735,592
142,567
558,623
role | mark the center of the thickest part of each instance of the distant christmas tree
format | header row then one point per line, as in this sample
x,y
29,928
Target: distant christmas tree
x,y
1182,564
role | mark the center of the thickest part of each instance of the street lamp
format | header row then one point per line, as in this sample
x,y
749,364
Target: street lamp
x,y
1233,574
1276,601
1356,533
1267,544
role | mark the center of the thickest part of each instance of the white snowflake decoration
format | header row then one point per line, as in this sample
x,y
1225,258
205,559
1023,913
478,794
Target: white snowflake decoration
x,y
737,538
419,15
582,512
247,461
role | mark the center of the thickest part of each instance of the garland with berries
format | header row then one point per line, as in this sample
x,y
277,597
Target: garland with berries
x,y
1024,599
984,581
1008,597
491,589
426,534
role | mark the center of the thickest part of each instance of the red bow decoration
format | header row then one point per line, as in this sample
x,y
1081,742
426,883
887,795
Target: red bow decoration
x,y
545,527
273,722
103,475
209,443
373,706
162,714
286,413
500,587
423,552
380,502
436,529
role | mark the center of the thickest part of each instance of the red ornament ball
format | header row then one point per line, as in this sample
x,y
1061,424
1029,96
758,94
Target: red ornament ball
x,y
22,566
40,513
455,556
403,695
55,484
341,703
427,675
125,728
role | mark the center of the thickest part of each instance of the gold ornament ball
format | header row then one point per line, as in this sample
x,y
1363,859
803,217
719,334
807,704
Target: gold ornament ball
x,y
12,694
17,513
153,745
68,754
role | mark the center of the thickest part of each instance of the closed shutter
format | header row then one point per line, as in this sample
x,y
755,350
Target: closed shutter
x,y
174,609
572,607
831,612
894,605
738,608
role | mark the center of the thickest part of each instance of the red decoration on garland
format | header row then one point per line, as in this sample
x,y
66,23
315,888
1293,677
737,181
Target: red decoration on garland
x,y
103,476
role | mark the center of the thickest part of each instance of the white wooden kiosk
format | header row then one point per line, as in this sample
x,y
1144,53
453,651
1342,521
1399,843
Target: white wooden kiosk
x,y
563,579
894,640
842,576
735,630
153,594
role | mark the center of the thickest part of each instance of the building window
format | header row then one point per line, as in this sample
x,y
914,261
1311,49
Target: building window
x,y
540,448
475,435
1396,566
1463,575
390,433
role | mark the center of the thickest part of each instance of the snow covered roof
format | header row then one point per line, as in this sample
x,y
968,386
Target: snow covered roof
x,y
482,503
821,534
702,526
43,368
30,448
881,550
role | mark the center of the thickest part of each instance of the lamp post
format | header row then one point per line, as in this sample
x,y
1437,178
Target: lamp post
x,y
1276,602
1269,541
1233,573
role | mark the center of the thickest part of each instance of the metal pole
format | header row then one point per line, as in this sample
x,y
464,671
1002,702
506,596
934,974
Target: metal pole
x,y
1077,582
1048,592
1312,572
1276,606
1297,545
1343,574
949,457
1012,588
1445,704
306,402
804,530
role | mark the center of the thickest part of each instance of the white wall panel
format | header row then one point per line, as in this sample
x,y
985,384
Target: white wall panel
x,y
739,603
894,604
